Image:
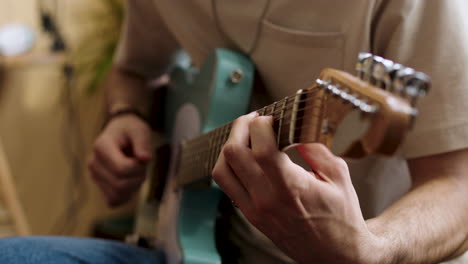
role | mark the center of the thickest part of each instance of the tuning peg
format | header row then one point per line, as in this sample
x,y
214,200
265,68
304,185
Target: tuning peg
x,y
417,86
401,78
392,75
363,59
381,72
411,84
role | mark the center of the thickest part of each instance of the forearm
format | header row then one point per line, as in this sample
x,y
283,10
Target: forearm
x,y
427,225
125,90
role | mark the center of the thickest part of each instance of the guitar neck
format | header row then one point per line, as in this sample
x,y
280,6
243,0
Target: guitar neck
x,y
296,119
314,114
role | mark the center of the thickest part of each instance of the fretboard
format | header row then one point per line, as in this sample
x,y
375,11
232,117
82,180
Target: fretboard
x,y
199,155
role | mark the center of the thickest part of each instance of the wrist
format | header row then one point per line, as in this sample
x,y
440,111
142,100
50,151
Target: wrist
x,y
123,111
122,105
378,248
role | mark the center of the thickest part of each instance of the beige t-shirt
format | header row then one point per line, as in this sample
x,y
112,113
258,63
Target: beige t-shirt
x,y
291,41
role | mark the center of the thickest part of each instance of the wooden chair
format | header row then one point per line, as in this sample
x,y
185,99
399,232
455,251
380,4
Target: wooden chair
x,y
12,218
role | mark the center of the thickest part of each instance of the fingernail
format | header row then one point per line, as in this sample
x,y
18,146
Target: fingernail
x,y
253,114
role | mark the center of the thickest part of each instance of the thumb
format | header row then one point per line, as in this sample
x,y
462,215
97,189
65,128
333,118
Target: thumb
x,y
140,140
321,159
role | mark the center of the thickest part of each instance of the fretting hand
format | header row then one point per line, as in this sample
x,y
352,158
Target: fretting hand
x,y
313,216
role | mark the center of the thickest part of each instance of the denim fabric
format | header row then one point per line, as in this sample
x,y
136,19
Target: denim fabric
x,y
67,250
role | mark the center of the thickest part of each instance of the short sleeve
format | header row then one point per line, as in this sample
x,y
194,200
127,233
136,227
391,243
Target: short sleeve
x,y
430,36
146,47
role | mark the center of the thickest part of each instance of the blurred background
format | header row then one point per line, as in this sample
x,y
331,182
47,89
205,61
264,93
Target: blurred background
x,y
54,55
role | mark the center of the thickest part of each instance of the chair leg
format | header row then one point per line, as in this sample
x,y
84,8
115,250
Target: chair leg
x,y
10,198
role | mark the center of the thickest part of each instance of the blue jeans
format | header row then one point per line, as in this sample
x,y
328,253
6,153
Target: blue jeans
x,y
67,250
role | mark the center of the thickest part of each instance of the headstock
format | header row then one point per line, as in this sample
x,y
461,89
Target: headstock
x,y
385,93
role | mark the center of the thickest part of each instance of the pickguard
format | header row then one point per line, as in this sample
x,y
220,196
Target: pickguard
x,y
186,126
186,219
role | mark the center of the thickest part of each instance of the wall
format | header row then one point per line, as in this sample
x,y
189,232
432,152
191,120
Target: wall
x,y
36,130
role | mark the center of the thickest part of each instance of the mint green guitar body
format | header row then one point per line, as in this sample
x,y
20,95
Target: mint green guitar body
x,y
216,96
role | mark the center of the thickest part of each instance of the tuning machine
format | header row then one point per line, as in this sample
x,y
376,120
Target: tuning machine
x,y
394,77
382,72
376,70
364,65
411,84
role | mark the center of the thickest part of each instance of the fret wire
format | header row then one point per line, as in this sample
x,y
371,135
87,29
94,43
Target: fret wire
x,y
206,164
212,153
284,125
219,132
225,133
191,163
222,141
272,114
273,108
219,143
204,155
287,108
283,113
281,121
219,140
216,143
213,150
297,137
286,99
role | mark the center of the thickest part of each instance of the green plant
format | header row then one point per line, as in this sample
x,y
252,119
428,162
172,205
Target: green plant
x,y
93,55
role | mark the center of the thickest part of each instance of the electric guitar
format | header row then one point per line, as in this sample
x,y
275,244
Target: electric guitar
x,y
181,201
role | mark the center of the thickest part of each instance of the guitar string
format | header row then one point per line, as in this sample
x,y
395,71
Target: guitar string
x,y
196,143
201,155
285,113
207,162
202,139
206,153
189,153
284,108
201,144
285,141
220,137
193,163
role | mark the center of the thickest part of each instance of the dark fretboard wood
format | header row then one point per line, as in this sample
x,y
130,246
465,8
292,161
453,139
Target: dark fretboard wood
x,y
199,155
